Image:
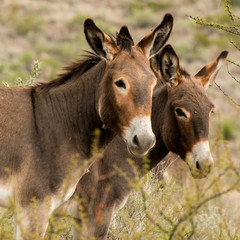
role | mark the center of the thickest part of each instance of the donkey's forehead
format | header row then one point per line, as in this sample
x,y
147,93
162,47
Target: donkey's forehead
x,y
134,64
192,96
135,56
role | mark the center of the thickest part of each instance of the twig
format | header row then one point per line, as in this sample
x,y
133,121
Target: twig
x,y
149,217
199,205
217,179
238,48
234,78
193,229
226,95
165,217
236,64
230,29
228,8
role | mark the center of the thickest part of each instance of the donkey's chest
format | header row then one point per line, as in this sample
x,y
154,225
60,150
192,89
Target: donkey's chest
x,y
66,189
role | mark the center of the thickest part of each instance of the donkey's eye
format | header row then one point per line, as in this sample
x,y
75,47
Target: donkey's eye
x,y
120,83
180,113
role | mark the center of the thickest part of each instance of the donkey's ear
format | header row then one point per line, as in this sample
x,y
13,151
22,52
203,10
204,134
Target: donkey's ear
x,y
208,73
124,39
168,63
152,43
100,42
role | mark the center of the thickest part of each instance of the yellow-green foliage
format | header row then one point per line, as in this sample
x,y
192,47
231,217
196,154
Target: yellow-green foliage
x,y
229,129
199,209
23,22
196,210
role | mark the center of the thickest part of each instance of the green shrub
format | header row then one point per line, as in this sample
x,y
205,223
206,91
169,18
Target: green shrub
x,y
28,23
228,129
77,20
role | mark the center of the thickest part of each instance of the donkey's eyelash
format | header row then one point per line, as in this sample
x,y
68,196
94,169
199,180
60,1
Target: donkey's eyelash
x,y
120,83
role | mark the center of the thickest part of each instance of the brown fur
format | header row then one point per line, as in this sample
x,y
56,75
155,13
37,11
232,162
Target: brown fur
x,y
106,190
44,127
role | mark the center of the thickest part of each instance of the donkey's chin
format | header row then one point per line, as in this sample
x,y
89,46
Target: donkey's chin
x,y
200,160
199,170
199,175
136,152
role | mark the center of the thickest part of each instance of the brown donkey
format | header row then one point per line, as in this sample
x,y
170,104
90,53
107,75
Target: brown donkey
x,y
180,121
44,127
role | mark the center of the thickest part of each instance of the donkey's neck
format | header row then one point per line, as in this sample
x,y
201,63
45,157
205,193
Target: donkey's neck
x,y
160,150
68,112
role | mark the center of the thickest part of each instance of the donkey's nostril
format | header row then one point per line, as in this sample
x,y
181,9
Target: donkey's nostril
x,y
135,140
198,165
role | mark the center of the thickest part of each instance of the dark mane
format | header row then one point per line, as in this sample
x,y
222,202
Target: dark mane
x,y
185,73
77,67
125,44
124,39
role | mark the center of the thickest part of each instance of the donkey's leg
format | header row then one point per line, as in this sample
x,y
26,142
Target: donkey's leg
x,y
92,224
100,221
72,208
31,222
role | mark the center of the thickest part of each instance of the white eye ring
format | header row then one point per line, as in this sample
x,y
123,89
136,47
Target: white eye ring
x,y
182,113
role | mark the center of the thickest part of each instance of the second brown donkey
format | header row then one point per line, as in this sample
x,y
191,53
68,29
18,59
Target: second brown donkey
x,y
180,121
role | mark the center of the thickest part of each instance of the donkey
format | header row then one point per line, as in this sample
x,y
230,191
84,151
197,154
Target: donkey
x,y
180,121
46,131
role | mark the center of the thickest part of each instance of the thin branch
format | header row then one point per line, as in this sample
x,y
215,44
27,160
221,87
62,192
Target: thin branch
x,y
234,78
228,8
237,47
216,179
230,29
194,209
149,217
227,96
193,229
165,217
236,17
234,63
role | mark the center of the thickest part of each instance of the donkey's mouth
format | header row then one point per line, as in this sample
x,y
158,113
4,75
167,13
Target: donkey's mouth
x,y
199,175
139,136
200,160
140,150
136,153
199,170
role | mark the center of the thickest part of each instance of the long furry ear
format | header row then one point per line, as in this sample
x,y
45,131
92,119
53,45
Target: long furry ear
x,y
169,66
153,42
208,73
100,42
124,39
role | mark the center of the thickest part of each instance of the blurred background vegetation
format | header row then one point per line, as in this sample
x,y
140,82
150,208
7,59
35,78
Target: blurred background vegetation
x,y
52,33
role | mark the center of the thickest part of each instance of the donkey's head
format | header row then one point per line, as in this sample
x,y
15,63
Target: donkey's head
x,y
125,92
186,116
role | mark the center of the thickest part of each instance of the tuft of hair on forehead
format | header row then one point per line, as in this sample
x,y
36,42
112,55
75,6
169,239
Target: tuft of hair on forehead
x,y
124,39
184,73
